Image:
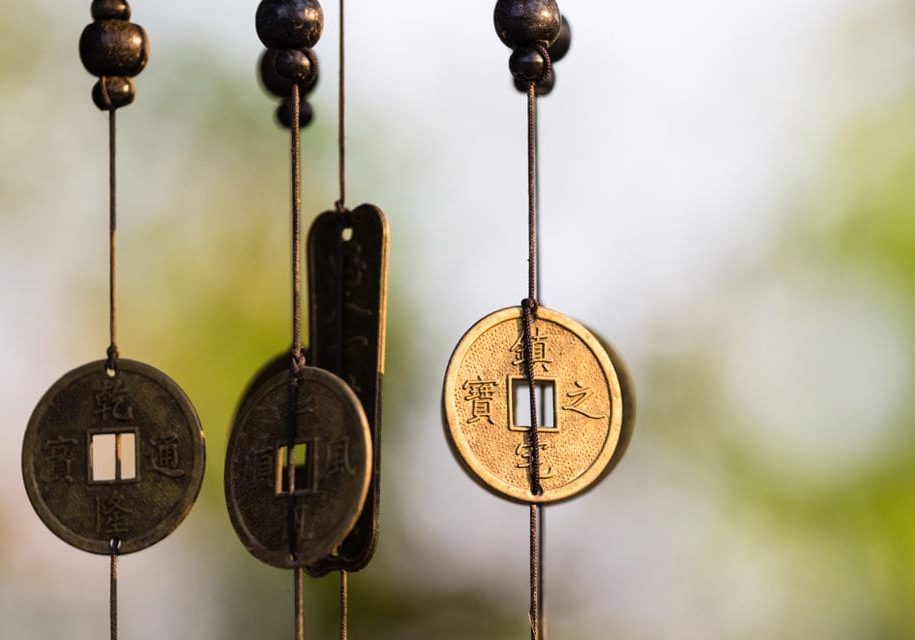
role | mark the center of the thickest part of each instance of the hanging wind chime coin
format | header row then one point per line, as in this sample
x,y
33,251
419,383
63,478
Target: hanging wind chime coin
x,y
582,393
537,408
113,456
302,463
113,462
331,480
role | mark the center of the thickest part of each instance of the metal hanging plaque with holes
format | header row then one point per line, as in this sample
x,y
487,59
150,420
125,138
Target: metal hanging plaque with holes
x,y
582,391
347,267
293,529
113,458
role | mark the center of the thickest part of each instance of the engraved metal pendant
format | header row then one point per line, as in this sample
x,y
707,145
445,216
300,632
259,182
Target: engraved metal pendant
x,y
347,276
332,471
273,367
583,394
113,457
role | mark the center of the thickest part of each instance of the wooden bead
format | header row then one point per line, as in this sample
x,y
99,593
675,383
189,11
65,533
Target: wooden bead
x,y
560,46
525,23
110,10
114,48
295,65
543,88
526,64
276,84
121,92
284,113
289,24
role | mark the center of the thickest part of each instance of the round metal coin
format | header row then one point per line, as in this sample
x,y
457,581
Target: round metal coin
x,y
113,458
333,467
275,366
583,402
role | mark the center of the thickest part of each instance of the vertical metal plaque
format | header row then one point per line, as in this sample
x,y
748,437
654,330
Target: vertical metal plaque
x,y
347,283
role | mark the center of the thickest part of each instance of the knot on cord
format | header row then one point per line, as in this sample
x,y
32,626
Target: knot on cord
x,y
113,354
298,361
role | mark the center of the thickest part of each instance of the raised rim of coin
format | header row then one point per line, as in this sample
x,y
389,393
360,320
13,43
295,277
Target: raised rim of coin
x,y
620,418
181,509
281,559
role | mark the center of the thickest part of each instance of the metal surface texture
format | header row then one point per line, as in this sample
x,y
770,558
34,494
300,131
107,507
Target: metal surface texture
x,y
590,406
271,368
331,479
348,266
143,425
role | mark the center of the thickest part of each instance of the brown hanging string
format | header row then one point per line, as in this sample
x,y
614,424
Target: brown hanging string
x,y
297,361
341,116
340,206
344,605
529,314
114,546
111,363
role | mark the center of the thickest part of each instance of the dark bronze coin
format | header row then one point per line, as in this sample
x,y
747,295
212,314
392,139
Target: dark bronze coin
x,y
333,468
348,269
272,367
113,458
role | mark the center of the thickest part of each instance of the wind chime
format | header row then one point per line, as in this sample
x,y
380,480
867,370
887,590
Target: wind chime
x,y
537,408
303,462
113,456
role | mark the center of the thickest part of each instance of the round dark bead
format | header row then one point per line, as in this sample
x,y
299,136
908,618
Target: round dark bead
x,y
524,23
560,46
295,65
114,48
276,84
543,88
110,10
527,64
121,92
289,24
284,113
270,78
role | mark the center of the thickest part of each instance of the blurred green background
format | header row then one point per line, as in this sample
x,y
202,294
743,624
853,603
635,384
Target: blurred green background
x,y
728,196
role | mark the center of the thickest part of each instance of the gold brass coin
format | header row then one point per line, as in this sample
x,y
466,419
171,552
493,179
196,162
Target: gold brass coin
x,y
113,458
584,403
333,467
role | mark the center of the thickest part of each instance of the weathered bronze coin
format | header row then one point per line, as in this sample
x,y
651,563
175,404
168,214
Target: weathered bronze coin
x,y
272,367
582,396
333,467
113,457
347,291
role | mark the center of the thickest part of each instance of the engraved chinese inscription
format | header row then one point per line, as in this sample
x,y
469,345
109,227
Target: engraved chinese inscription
x,y
331,455
113,457
539,350
58,458
578,393
480,394
165,456
112,514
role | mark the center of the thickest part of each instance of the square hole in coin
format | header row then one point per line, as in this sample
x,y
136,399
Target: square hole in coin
x,y
113,457
544,393
303,458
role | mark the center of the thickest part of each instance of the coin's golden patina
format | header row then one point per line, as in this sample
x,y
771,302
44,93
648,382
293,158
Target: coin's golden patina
x,y
584,392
